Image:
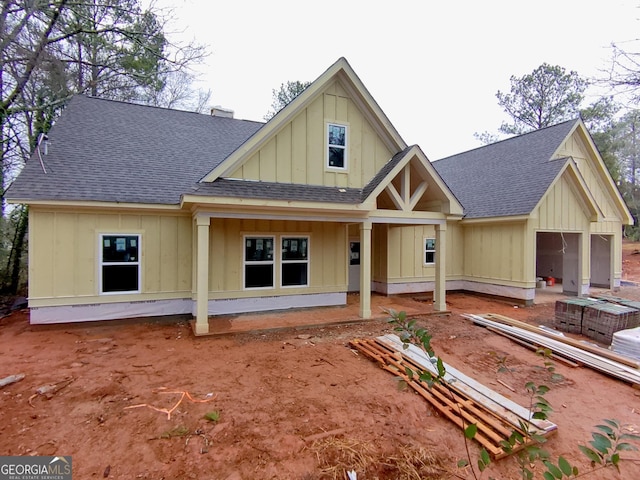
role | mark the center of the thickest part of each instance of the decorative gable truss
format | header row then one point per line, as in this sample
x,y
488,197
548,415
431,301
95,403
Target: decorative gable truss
x,y
409,183
409,193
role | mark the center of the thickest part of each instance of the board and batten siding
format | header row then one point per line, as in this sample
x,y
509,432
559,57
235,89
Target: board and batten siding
x,y
561,210
401,258
64,255
496,252
297,153
328,256
576,148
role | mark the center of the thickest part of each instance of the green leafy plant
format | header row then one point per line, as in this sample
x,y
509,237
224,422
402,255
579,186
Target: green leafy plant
x,y
607,444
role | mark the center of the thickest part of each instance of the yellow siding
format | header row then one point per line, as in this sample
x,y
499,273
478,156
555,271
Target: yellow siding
x,y
561,210
455,250
327,256
576,148
495,252
64,254
297,153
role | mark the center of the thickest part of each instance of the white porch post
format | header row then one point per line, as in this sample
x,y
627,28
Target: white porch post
x,y
202,275
440,293
365,269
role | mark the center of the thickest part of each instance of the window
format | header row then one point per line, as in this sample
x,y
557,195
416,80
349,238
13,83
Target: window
x,y
429,251
295,261
120,263
337,146
258,262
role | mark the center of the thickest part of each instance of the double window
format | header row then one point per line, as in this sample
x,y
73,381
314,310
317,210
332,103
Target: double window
x,y
119,263
260,261
429,251
336,146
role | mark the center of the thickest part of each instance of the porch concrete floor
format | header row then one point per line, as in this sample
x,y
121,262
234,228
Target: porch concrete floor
x,y
418,304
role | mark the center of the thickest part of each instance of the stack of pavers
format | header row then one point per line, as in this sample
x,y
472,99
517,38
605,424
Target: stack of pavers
x,y
570,313
602,320
596,318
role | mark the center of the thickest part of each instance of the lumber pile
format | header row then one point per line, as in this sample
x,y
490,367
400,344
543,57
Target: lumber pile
x,y
600,359
462,400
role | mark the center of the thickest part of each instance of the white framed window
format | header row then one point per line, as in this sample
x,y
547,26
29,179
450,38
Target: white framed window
x,y
120,265
294,268
259,262
429,251
336,146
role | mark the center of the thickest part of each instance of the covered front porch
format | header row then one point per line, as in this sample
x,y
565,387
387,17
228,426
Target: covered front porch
x,y
211,318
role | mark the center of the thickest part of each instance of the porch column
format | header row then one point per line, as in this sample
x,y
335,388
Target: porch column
x,y
440,292
365,269
202,275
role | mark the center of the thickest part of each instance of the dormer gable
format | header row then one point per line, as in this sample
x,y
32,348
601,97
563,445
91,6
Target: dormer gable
x,y
579,146
332,134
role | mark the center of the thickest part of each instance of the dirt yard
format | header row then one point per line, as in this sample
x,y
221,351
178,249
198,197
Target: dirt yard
x,y
289,404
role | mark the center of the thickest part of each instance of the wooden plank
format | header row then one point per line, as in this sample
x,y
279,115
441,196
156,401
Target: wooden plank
x,y
447,399
535,347
433,399
594,361
603,352
495,402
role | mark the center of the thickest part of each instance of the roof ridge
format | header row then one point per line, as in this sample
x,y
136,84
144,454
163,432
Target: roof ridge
x,y
157,107
515,137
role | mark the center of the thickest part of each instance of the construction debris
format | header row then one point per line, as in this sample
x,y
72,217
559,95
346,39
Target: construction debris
x,y
11,379
50,389
461,399
183,394
597,358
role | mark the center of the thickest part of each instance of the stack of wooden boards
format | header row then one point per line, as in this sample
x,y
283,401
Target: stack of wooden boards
x,y
461,399
601,359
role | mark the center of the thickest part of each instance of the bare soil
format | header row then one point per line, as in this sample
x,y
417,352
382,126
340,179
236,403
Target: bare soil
x,y
290,404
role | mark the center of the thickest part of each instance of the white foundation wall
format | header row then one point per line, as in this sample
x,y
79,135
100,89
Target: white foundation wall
x,y
283,302
186,306
518,293
109,311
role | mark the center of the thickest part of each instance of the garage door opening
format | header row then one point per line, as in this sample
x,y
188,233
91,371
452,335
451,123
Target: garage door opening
x,y
558,257
601,264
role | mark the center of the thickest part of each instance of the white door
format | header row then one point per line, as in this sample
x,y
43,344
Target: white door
x,y
354,266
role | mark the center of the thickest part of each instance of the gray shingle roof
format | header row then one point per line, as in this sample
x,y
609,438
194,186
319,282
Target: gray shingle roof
x,y
103,150
277,191
508,177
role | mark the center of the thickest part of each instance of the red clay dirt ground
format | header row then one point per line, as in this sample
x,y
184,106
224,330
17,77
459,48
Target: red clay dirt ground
x,y
278,393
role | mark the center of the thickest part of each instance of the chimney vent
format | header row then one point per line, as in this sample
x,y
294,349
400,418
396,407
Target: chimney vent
x,y
219,111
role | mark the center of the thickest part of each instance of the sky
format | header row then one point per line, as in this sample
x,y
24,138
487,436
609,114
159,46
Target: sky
x,y
433,67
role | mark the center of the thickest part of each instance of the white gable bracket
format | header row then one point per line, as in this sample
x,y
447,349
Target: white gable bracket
x,y
417,195
395,197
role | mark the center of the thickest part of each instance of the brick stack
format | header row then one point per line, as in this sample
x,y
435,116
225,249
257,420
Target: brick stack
x,y
601,320
570,313
598,318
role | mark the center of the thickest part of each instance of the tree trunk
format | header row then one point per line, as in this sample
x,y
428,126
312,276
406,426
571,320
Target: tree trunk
x,y
14,262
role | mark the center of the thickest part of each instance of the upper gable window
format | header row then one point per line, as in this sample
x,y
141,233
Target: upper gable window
x,y
336,146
